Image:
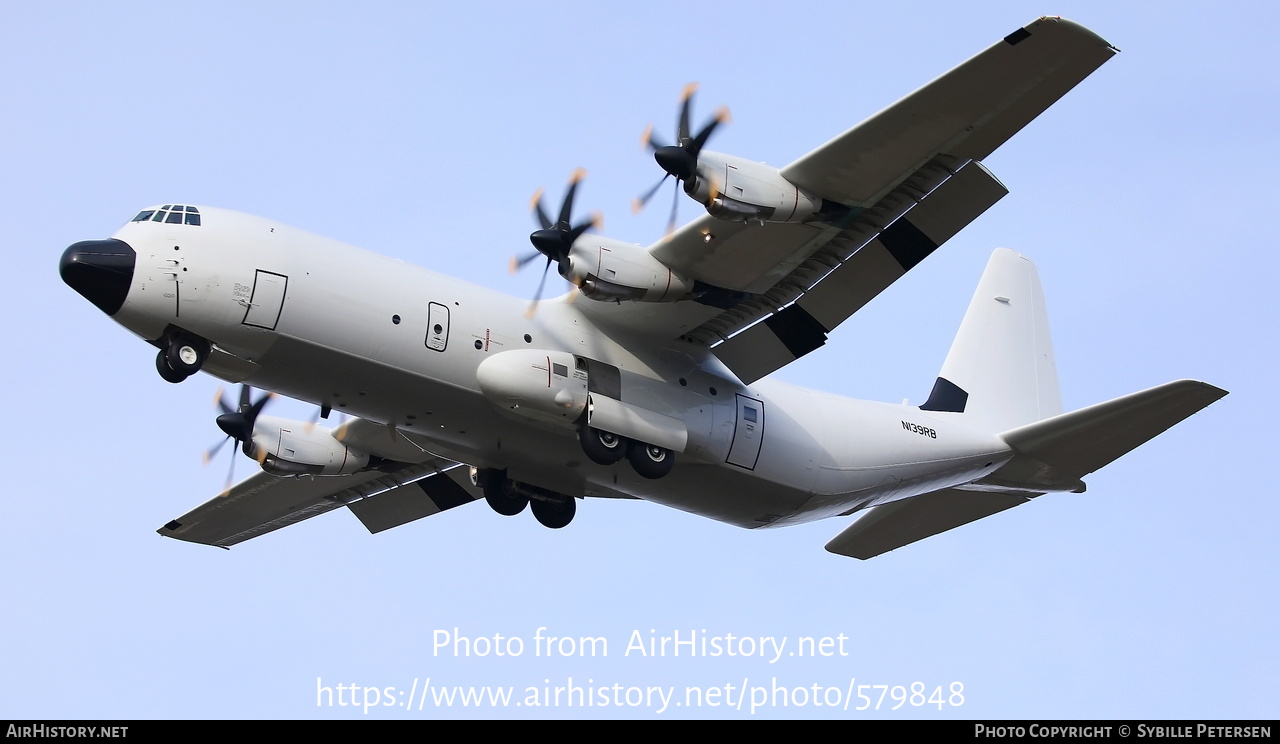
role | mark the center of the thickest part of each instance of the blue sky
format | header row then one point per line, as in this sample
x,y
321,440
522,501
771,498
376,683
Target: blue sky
x,y
420,130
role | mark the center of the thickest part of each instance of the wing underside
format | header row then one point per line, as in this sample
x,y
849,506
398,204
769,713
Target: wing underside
x,y
264,503
396,492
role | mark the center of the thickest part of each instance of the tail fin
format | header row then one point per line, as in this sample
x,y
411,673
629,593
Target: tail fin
x,y
1000,371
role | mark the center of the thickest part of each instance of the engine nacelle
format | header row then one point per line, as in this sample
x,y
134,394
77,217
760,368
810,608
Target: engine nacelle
x,y
738,190
612,271
550,386
286,447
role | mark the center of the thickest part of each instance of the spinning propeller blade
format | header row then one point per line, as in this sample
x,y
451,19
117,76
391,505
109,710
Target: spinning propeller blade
x,y
237,423
681,159
554,239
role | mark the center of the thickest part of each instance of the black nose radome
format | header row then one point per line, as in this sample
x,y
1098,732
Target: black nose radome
x,y
101,270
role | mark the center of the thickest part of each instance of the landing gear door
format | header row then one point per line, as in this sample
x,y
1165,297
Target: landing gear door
x,y
437,326
267,301
748,433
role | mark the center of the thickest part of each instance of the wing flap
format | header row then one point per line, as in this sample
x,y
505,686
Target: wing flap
x,y
891,526
413,501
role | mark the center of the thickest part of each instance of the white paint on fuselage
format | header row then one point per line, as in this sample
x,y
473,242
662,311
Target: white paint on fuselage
x,y
336,344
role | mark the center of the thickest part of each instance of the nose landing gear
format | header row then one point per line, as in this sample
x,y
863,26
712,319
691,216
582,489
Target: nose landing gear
x,y
181,355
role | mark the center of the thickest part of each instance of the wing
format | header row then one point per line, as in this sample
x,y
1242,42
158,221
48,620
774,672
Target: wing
x,y
910,178
399,492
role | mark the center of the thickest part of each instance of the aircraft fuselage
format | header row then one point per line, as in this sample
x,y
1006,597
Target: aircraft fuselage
x,y
376,338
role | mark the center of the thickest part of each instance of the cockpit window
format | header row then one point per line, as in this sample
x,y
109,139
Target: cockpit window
x,y
170,214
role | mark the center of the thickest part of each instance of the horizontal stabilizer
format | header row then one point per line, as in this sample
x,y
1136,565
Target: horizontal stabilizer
x,y
1049,455
1054,454
890,526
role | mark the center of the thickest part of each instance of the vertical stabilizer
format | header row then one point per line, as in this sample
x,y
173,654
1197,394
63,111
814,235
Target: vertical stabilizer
x,y
1000,371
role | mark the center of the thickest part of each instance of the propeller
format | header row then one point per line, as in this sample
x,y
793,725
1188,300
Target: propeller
x,y
237,424
681,159
554,239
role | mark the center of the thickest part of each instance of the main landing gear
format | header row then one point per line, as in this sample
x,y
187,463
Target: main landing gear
x,y
509,498
181,355
607,448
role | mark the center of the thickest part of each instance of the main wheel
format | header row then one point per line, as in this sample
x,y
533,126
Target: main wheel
x,y
498,496
186,354
168,373
554,514
602,447
650,460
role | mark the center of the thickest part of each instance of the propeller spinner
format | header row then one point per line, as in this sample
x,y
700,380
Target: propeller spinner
x,y
681,159
555,239
237,424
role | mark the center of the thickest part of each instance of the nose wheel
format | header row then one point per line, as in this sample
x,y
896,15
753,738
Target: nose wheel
x,y
167,373
181,356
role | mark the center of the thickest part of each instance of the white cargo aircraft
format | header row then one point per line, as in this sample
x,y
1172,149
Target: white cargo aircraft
x,y
662,363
